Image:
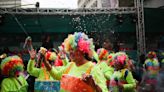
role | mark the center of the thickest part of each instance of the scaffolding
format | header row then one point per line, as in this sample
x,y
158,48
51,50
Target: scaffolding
x,y
137,9
81,11
140,28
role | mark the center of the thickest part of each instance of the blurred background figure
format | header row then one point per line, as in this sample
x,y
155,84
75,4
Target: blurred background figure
x,y
116,46
122,79
107,45
149,79
47,43
7,51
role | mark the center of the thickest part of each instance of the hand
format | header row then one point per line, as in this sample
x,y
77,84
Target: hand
x,y
46,62
29,41
88,79
32,54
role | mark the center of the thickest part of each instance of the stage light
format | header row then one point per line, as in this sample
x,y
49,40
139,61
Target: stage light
x,y
1,19
120,18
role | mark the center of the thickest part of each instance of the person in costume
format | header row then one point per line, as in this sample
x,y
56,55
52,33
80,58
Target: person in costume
x,y
129,62
102,54
105,56
103,64
81,74
151,66
40,73
122,79
12,67
47,42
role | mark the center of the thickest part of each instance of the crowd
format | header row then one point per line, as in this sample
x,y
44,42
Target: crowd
x,y
77,67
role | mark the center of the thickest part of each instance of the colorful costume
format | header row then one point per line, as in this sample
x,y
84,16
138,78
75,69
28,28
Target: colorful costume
x,y
44,81
106,70
41,73
122,76
152,68
103,64
11,67
73,73
76,72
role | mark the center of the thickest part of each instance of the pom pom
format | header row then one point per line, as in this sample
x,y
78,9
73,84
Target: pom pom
x,y
110,58
102,53
51,56
43,50
83,46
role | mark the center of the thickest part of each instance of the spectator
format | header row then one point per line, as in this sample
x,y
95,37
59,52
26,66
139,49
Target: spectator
x,y
47,43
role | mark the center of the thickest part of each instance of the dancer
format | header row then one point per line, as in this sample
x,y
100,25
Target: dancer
x,y
151,66
122,78
104,62
41,73
81,74
12,67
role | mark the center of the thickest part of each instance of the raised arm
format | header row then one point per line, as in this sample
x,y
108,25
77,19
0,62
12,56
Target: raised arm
x,y
32,70
55,73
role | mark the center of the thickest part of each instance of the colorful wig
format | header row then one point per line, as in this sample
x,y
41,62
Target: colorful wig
x,y
151,54
78,41
102,53
11,66
121,58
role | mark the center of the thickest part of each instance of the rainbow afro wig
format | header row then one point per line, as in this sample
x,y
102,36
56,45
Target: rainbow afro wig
x,y
78,41
102,53
11,66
